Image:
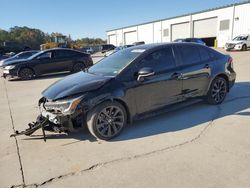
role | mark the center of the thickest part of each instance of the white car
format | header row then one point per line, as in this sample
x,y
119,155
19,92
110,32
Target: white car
x,y
241,42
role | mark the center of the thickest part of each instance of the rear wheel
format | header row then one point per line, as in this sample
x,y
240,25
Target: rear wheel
x,y
217,91
107,120
78,67
26,74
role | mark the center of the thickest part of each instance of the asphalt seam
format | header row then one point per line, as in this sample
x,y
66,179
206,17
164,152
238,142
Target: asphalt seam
x,y
17,146
99,165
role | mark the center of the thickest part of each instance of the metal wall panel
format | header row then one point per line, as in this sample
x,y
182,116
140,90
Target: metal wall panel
x,y
130,37
205,28
181,30
112,39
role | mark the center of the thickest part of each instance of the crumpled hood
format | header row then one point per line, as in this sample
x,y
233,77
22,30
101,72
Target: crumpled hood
x,y
236,41
74,84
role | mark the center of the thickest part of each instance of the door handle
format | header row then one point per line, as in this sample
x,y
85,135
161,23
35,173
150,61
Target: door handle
x,y
206,66
176,75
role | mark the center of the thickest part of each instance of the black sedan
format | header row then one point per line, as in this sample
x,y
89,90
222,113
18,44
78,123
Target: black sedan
x,y
48,61
132,83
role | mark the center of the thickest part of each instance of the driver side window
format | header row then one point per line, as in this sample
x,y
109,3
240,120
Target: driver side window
x,y
45,55
160,60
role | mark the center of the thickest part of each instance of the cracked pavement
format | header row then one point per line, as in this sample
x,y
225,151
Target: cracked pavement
x,y
195,146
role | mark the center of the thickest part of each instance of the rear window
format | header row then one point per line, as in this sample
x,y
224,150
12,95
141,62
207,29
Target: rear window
x,y
189,54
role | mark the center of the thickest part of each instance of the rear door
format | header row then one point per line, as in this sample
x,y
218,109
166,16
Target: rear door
x,y
195,69
63,60
161,89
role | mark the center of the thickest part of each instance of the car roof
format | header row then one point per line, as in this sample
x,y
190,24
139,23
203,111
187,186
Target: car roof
x,y
55,49
156,45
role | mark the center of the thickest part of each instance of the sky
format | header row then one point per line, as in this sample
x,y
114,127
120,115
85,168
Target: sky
x,y
92,18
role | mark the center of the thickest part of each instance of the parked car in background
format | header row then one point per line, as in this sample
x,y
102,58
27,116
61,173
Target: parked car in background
x,y
48,61
195,40
117,49
138,43
21,55
4,56
132,83
107,47
241,42
88,50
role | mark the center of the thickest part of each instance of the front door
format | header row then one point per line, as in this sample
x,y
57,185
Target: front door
x,y
43,63
162,88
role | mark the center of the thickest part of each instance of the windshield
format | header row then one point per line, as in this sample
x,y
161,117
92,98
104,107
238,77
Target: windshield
x,y
17,55
115,63
240,38
35,55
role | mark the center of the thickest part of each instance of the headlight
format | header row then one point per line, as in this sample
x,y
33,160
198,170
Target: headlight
x,y
10,67
66,106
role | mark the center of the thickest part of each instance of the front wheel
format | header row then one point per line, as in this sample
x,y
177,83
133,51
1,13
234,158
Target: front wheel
x,y
26,74
107,120
217,91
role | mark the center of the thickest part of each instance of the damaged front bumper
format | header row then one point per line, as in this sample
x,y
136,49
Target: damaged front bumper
x,y
64,123
54,120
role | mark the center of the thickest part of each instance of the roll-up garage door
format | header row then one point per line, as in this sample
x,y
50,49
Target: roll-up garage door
x,y
205,28
130,37
112,39
181,30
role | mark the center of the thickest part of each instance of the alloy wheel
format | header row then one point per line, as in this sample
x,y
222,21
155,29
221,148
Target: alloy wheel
x,y
219,90
110,121
26,74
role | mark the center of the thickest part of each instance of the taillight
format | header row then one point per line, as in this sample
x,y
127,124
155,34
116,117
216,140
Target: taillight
x,y
230,62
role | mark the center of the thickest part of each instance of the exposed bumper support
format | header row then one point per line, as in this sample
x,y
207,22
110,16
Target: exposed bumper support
x,y
41,123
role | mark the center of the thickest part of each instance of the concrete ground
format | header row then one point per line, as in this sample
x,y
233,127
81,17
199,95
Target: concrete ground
x,y
197,146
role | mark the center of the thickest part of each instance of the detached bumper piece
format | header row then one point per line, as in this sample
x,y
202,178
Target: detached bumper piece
x,y
34,126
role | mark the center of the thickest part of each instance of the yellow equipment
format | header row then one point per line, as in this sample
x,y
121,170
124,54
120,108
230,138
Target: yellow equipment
x,y
58,42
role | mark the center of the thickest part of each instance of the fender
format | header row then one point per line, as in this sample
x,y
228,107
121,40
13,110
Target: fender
x,y
221,74
23,67
118,95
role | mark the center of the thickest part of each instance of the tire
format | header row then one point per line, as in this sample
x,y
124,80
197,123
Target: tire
x,y
26,74
78,67
107,120
217,91
244,48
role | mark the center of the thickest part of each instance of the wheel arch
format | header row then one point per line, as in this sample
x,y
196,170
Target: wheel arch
x,y
111,99
25,67
78,62
222,75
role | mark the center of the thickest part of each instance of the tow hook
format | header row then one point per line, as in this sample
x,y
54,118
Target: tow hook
x,y
41,122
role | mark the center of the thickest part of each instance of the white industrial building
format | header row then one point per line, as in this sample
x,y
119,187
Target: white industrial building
x,y
214,26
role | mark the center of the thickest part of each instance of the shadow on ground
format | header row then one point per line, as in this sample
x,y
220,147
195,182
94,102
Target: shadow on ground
x,y
181,118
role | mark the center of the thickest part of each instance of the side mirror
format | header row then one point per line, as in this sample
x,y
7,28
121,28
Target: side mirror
x,y
145,72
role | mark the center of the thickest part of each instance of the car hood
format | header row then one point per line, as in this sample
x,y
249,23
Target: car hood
x,y
74,84
235,41
14,62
